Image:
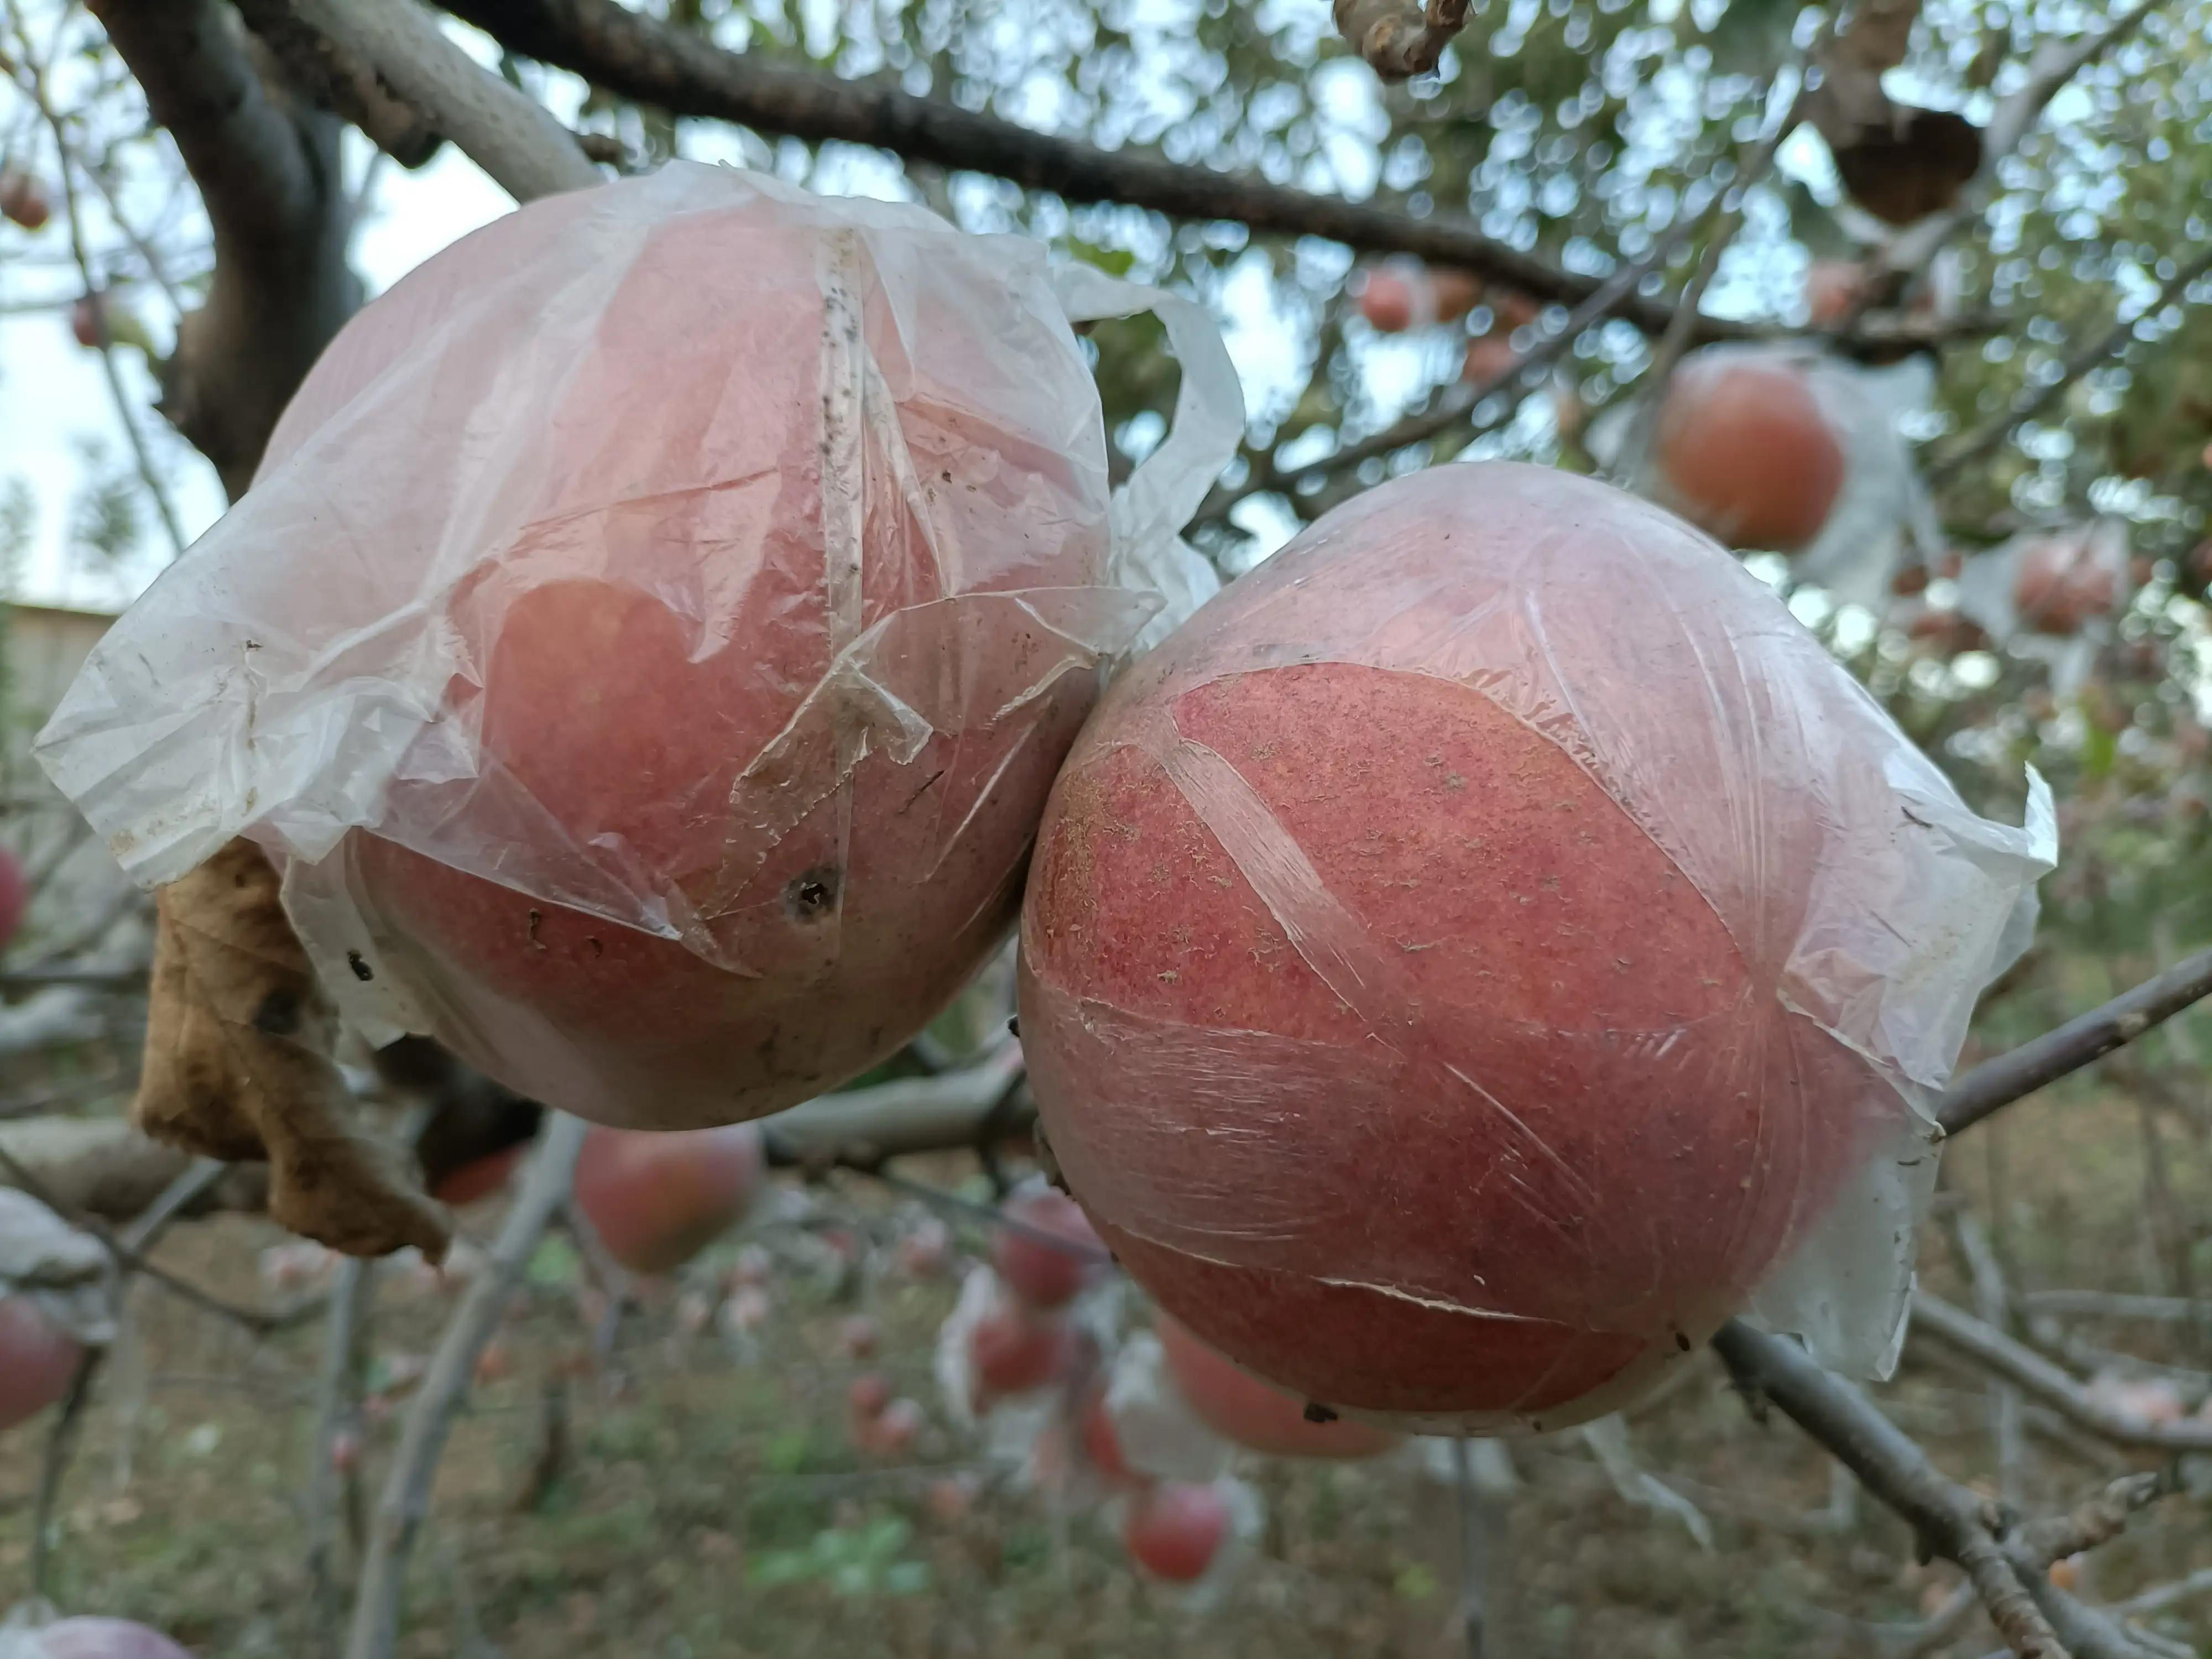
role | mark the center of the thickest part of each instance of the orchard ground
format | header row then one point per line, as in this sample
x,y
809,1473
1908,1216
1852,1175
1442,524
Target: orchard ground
x,y
713,1506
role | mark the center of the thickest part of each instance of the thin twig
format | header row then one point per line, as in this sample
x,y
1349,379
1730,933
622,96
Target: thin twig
x,y
2109,1304
2081,1041
1472,1611
552,1458
2165,1595
21,1174
1676,340
512,138
1992,1300
1949,1520
199,1178
36,91
2032,402
337,1387
53,1468
2053,67
445,1386
2041,1380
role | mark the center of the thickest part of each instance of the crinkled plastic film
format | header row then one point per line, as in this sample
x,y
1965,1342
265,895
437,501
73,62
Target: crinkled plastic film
x,y
67,1275
1869,904
2086,569
849,460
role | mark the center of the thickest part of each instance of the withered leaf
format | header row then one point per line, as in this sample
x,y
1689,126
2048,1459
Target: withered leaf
x,y
1914,168
238,1043
1900,162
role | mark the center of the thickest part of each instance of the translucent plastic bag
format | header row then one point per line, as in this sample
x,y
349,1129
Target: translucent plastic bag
x,y
2051,594
1880,513
1493,943
653,632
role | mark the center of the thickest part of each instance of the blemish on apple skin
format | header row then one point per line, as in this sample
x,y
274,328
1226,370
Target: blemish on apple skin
x,y
813,896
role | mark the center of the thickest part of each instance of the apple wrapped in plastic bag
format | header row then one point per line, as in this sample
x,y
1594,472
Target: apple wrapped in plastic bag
x,y
653,632
1786,448
1490,944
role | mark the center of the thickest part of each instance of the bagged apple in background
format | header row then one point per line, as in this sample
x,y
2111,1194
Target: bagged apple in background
x,y
1492,944
1786,449
2051,594
653,632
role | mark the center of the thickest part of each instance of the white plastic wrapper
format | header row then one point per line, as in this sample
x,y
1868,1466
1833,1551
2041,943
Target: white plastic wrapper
x,y
652,631
1159,1433
2051,594
1882,517
67,1275
1493,943
28,1633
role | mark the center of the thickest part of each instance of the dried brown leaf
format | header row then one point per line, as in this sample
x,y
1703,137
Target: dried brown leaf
x,y
239,1044
1915,169
1900,162
1400,38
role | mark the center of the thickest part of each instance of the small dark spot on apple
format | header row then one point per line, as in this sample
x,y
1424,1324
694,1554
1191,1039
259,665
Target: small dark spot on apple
x,y
811,895
598,949
1681,1342
361,971
536,918
1317,1412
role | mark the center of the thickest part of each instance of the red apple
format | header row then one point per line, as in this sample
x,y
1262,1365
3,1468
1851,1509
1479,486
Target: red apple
x,y
1176,1530
1744,450
658,1197
479,1178
1833,289
1412,975
895,1428
15,895
1390,298
709,817
1237,1405
1014,1351
23,199
1051,1253
38,1361
859,1337
2068,578
1488,358
1101,1442
866,1395
88,320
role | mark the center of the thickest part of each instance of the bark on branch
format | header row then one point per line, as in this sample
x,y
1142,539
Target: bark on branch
x,y
640,58
2041,1380
1949,1520
2082,1040
266,165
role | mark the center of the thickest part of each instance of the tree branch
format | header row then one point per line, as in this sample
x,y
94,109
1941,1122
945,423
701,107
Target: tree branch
x,y
336,1390
267,169
2089,1037
527,153
640,58
2033,402
344,84
2053,65
1948,1520
2041,1380
445,1386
